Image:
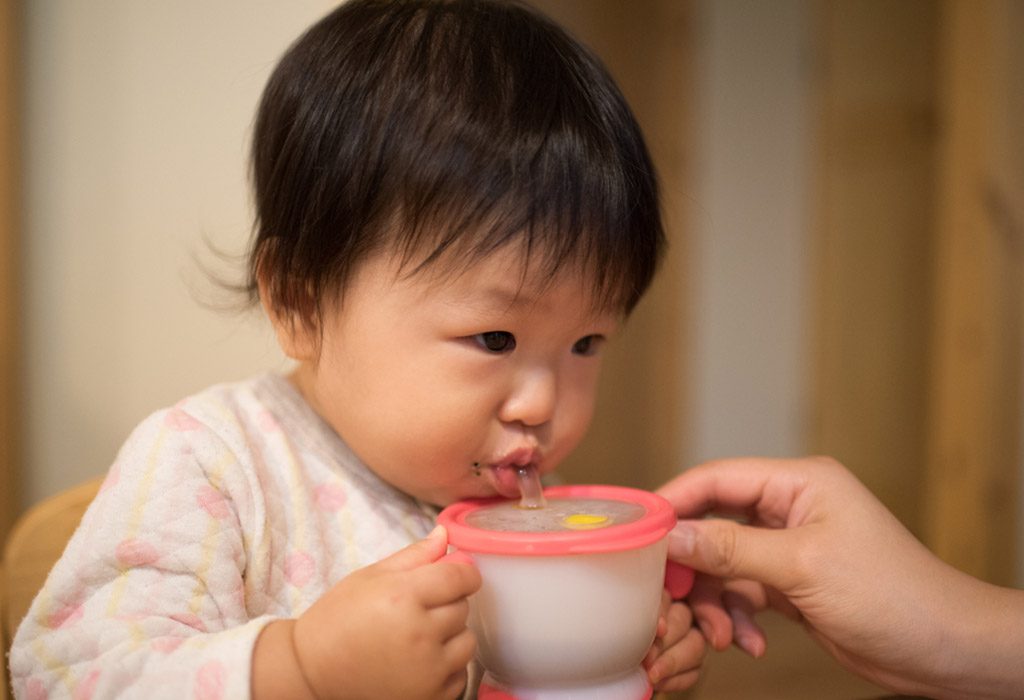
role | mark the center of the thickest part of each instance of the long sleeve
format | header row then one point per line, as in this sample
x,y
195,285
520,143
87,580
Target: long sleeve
x,y
149,597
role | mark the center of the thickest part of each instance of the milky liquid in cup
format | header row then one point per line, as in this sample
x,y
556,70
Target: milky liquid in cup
x,y
559,515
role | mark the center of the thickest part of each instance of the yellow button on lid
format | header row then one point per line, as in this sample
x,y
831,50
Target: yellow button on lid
x,y
585,521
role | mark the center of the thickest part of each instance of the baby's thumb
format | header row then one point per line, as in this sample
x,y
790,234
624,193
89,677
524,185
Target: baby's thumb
x,y
428,550
728,549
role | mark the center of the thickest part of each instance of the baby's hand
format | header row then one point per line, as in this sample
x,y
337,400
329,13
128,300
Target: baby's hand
x,y
396,629
675,658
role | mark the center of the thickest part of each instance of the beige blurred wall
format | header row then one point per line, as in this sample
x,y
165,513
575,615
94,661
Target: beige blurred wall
x,y
751,247
135,123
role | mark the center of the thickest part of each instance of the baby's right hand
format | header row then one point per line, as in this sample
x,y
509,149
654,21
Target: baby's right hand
x,y
396,629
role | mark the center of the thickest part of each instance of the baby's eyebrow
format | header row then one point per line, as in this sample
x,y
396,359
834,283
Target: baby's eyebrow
x,y
496,297
491,301
508,297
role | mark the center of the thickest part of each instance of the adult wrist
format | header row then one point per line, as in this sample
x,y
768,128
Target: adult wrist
x,y
979,643
990,665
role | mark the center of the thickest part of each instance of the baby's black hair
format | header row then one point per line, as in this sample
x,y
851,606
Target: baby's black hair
x,y
443,130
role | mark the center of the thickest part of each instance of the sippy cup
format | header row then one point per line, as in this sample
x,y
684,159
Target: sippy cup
x,y
571,591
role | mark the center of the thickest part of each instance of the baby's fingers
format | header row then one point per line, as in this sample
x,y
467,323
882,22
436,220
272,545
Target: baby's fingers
x,y
429,549
455,685
679,622
445,581
449,621
458,652
675,622
460,649
678,666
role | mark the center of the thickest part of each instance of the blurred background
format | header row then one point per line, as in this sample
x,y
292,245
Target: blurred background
x,y
844,191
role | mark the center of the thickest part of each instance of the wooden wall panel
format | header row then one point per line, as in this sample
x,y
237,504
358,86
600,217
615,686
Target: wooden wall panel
x,y
974,445
873,232
9,306
919,266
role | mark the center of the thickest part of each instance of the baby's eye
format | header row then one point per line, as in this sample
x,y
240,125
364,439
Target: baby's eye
x,y
587,345
496,341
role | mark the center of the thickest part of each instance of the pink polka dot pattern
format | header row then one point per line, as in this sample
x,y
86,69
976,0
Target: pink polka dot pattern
x,y
165,645
210,681
180,421
190,619
86,689
213,502
135,552
330,497
268,423
35,690
299,569
65,616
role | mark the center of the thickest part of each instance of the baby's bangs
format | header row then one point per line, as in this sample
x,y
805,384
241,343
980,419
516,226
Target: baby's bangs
x,y
557,232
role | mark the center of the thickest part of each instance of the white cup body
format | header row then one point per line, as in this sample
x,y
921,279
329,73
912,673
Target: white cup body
x,y
569,619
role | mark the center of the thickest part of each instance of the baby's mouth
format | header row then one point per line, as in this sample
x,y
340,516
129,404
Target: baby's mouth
x,y
505,479
503,473
506,474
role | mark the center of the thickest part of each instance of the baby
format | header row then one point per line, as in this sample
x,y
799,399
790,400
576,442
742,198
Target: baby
x,y
455,211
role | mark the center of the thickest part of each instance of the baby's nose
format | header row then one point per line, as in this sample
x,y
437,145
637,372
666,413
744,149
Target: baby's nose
x,y
532,400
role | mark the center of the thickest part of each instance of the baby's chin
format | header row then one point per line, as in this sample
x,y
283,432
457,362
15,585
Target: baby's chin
x,y
482,487
441,498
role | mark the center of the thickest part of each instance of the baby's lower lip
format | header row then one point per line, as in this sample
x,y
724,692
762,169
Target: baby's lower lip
x,y
504,481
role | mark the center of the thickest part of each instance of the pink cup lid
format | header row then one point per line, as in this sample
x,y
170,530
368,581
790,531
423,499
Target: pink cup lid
x,y
654,522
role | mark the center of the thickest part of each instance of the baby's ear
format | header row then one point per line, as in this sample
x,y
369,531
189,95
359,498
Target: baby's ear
x,y
297,333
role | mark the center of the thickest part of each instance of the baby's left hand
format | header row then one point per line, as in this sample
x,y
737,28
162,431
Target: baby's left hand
x,y
675,658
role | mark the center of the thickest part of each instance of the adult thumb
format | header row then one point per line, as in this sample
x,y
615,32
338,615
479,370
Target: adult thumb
x,y
729,549
425,551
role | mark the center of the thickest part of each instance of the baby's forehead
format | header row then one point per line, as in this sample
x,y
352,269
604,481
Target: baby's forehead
x,y
512,279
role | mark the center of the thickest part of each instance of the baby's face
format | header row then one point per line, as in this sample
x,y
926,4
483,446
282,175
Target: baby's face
x,y
443,387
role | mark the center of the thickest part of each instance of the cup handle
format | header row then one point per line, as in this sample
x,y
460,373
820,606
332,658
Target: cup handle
x,y
678,579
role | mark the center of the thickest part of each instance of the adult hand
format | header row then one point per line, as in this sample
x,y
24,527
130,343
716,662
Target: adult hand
x,y
818,546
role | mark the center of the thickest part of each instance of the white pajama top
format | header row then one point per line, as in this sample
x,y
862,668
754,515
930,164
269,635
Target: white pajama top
x,y
237,506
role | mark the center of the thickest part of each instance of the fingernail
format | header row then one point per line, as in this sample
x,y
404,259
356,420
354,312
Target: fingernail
x,y
751,645
706,630
682,540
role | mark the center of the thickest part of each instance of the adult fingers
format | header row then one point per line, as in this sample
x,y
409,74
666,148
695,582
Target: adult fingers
x,y
730,550
712,618
732,483
747,634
